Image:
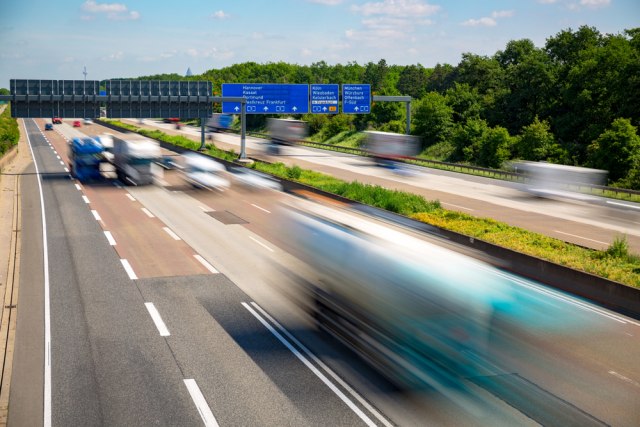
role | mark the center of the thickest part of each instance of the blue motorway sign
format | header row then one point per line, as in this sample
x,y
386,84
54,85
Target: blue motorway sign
x,y
267,98
324,99
356,99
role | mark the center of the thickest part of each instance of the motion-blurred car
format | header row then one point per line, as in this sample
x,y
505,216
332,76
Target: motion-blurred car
x,y
204,172
56,121
255,180
48,126
77,124
87,122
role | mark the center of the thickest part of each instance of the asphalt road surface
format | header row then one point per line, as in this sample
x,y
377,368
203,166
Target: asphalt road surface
x,y
173,306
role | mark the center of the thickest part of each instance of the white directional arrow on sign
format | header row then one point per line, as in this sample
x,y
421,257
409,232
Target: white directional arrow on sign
x,y
237,108
324,108
295,108
266,108
356,109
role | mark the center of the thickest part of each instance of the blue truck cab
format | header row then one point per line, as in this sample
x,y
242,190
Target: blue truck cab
x,y
85,156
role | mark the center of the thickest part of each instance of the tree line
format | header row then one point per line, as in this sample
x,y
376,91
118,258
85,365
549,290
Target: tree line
x,y
574,101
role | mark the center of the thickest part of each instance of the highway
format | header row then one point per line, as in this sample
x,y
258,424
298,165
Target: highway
x,y
586,224
173,306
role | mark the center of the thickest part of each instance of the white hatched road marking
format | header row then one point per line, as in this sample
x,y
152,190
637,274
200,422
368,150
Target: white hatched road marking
x,y
262,209
128,269
149,214
206,264
171,233
157,319
201,403
261,244
110,238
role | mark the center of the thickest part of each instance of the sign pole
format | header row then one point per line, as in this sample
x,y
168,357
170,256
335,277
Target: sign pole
x,y
408,105
243,133
202,120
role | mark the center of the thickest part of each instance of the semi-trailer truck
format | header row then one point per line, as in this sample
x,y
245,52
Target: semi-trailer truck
x,y
420,313
134,160
85,156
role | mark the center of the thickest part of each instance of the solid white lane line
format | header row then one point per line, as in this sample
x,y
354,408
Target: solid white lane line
x,y
149,214
309,365
579,237
78,187
153,312
86,199
128,269
110,238
131,197
457,206
96,215
171,233
206,264
262,209
201,403
261,244
328,370
47,309
623,378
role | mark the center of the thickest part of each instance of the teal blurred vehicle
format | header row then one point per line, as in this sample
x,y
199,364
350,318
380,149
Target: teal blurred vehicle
x,y
48,126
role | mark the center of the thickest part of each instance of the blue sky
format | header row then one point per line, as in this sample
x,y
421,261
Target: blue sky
x,y
44,39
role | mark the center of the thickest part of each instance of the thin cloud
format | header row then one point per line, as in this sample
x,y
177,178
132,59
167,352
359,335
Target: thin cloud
x,y
112,11
405,8
220,15
502,14
595,3
326,2
482,22
488,21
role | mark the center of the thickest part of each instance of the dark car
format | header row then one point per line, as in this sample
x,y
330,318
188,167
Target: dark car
x,y
48,126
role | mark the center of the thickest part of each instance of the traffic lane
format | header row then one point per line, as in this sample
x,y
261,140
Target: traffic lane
x,y
145,242
109,365
26,395
150,247
246,374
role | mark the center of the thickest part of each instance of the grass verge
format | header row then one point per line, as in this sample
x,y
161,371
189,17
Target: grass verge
x,y
9,133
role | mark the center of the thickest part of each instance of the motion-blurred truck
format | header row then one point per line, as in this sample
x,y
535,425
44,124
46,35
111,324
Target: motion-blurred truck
x,y
134,160
85,156
386,148
420,313
285,132
219,122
